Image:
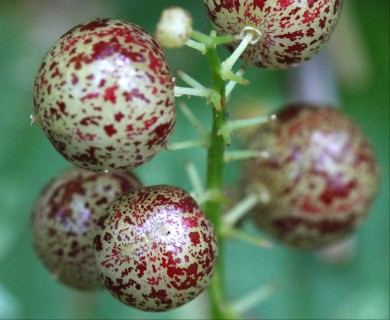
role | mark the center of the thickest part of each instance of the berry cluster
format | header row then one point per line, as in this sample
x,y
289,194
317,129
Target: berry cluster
x,y
104,96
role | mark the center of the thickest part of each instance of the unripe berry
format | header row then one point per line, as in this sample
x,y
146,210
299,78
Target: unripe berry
x,y
155,249
291,31
321,176
104,96
174,27
64,221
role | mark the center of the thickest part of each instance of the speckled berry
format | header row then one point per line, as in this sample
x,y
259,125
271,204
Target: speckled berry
x,y
64,222
104,96
155,249
292,31
321,176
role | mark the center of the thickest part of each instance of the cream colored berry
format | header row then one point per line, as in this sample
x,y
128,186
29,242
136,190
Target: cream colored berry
x,y
174,27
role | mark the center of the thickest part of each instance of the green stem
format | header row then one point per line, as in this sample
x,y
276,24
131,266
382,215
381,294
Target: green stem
x,y
214,182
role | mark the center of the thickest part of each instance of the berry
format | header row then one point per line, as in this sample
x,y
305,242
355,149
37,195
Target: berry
x,y
321,176
174,27
292,31
104,96
64,221
155,249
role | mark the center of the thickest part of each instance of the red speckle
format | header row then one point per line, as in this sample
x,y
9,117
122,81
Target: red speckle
x,y
104,49
62,107
336,6
190,281
107,237
86,136
160,133
285,3
310,32
77,60
90,121
102,83
141,268
161,296
291,35
135,93
195,239
336,189
90,96
148,123
119,116
53,65
110,130
98,243
67,192
322,23
311,3
89,155
74,79
56,73
155,63
287,225
153,281
308,206
94,25
190,222
109,94
296,48
129,128
259,4
310,16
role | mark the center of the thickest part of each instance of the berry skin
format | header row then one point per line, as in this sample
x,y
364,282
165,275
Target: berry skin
x,y
292,31
321,176
64,221
104,96
155,249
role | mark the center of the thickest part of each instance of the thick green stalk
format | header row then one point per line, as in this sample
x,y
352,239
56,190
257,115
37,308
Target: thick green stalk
x,y
214,183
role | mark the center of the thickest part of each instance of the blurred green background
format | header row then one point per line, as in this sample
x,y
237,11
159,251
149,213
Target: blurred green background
x,y
351,282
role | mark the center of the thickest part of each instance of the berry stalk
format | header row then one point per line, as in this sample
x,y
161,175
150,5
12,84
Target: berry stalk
x,y
214,183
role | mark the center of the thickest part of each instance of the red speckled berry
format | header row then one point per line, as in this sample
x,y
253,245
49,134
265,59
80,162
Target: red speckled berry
x,y
64,222
321,176
104,96
155,249
292,31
